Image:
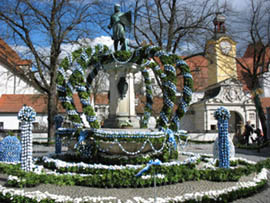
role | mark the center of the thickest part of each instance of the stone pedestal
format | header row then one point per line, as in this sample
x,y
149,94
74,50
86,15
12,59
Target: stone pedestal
x,y
122,107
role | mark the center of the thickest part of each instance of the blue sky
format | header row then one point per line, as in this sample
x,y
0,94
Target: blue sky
x,y
42,40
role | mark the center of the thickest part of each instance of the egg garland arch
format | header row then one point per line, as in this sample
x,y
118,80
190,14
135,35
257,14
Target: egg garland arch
x,y
71,78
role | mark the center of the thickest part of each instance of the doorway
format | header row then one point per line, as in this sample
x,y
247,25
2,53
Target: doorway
x,y
235,121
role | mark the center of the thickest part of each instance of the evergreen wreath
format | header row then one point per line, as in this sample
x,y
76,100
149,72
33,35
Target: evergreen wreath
x,y
163,64
149,95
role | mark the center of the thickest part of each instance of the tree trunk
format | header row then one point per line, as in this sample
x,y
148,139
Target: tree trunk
x,y
52,111
261,114
52,106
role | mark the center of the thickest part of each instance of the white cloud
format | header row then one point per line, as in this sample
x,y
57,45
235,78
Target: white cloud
x,y
104,40
87,42
25,53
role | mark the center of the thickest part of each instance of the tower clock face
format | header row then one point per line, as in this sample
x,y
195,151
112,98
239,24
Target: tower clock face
x,y
225,47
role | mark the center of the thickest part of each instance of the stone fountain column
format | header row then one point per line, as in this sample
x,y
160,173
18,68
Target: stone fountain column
x,y
122,107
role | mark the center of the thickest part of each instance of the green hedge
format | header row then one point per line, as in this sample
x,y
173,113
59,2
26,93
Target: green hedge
x,y
126,177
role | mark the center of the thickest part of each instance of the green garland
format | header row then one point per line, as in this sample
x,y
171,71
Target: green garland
x,y
80,59
149,96
84,58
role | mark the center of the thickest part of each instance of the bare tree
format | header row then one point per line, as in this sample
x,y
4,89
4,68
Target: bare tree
x,y
50,24
254,34
171,24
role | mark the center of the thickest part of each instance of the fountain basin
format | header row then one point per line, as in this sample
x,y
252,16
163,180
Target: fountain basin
x,y
122,141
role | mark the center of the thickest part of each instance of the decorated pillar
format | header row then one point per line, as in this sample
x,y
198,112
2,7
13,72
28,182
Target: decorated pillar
x,y
222,115
122,95
26,115
58,119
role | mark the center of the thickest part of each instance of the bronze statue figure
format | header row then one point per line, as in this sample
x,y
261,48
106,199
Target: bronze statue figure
x,y
119,22
122,87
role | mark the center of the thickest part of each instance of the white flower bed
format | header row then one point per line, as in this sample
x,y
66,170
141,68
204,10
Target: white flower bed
x,y
231,159
39,196
62,164
213,194
158,176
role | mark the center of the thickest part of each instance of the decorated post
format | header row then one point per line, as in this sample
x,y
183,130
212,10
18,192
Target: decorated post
x,y
223,115
26,115
58,141
10,149
145,169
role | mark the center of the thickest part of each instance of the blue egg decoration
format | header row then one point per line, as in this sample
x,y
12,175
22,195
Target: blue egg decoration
x,y
10,149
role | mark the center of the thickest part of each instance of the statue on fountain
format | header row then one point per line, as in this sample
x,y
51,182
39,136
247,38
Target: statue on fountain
x,y
119,23
113,140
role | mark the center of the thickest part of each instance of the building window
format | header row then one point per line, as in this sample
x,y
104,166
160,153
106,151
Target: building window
x,y
35,125
252,116
1,125
213,127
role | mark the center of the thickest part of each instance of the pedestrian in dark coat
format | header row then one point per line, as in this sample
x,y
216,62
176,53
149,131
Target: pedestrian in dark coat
x,y
248,131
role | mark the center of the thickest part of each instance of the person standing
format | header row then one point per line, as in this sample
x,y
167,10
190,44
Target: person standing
x,y
259,138
248,132
239,135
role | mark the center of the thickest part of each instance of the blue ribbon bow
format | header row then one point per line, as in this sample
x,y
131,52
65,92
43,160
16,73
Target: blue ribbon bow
x,y
82,136
171,137
147,167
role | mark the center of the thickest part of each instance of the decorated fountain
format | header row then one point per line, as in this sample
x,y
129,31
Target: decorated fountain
x,y
96,143
121,66
121,158
114,156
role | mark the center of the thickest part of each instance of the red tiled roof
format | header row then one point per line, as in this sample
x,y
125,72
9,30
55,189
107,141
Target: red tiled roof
x,y
12,103
102,99
10,57
248,61
199,69
257,47
243,74
265,103
157,105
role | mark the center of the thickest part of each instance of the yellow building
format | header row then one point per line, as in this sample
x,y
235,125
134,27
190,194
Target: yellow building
x,y
221,55
223,89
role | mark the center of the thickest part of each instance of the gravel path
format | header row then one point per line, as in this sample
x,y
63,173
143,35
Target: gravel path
x,y
128,193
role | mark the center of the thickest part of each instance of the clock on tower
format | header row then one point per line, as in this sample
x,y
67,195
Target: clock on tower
x,y
225,46
221,55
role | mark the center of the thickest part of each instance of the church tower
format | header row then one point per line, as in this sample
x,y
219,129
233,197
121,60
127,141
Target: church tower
x,y
221,53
